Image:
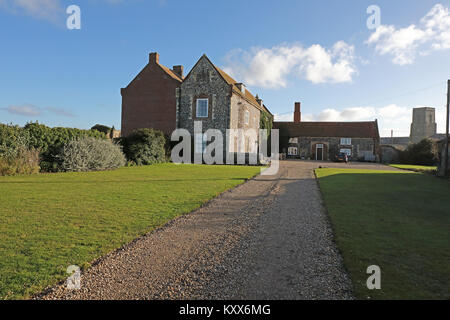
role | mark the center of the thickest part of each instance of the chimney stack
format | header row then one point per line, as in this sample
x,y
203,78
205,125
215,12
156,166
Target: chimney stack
x,y
178,70
297,113
241,87
260,102
154,57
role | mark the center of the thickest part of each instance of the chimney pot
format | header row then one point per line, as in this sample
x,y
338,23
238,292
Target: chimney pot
x,y
154,57
259,100
297,113
178,70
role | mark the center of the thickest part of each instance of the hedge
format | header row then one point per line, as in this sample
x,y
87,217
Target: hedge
x,y
48,141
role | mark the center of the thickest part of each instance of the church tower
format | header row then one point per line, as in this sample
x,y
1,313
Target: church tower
x,y
423,124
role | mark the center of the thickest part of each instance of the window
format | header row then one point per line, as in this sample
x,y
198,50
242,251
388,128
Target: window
x,y
346,141
292,151
346,151
246,117
202,108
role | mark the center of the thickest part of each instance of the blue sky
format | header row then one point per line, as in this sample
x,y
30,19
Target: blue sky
x,y
318,52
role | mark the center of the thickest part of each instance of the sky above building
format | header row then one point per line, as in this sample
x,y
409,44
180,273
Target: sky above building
x,y
325,54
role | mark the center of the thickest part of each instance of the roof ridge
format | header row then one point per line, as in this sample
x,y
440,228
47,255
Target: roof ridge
x,y
169,72
230,80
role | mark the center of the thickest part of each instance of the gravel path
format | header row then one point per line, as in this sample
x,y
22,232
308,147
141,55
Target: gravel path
x,y
266,239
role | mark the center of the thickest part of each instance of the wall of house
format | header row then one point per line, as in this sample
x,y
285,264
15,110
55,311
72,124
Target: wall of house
x,y
149,101
389,154
307,147
237,121
204,82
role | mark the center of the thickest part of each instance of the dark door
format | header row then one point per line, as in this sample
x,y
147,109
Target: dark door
x,y
319,153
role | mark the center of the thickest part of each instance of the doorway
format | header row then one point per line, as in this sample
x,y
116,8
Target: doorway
x,y
319,151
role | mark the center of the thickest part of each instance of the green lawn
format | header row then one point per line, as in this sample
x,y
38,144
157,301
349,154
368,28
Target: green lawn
x,y
51,221
399,221
416,168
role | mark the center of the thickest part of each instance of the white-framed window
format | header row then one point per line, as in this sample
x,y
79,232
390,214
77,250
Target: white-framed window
x,y
292,151
200,143
346,141
246,116
346,151
202,108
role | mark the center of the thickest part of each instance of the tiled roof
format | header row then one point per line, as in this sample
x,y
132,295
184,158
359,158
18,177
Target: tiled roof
x,y
170,72
367,129
228,79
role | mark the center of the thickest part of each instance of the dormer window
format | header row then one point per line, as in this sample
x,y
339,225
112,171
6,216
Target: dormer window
x,y
202,108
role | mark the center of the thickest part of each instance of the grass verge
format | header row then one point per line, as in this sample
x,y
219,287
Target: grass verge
x,y
396,220
51,221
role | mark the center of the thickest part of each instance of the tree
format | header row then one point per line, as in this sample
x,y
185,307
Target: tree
x,y
102,128
144,146
422,153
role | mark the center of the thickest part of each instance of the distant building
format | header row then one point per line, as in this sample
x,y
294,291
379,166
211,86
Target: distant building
x,y
324,140
423,124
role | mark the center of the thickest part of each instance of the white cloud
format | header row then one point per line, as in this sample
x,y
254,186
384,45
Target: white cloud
x,y
283,117
403,44
390,117
32,110
269,68
24,110
42,9
50,10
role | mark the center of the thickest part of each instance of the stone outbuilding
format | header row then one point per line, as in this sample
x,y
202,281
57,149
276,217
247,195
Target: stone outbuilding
x,y
324,140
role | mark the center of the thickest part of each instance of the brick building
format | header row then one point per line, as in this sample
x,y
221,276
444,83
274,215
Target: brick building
x,y
161,98
324,140
150,100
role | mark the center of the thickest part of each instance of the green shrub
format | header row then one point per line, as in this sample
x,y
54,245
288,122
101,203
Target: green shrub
x,y
51,140
144,146
11,139
48,141
422,153
23,161
90,154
